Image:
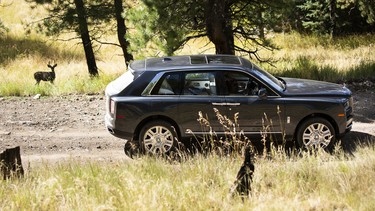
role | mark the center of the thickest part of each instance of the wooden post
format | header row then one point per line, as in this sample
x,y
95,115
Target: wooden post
x,y
10,163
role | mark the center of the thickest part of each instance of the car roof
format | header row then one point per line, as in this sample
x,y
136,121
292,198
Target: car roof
x,y
187,62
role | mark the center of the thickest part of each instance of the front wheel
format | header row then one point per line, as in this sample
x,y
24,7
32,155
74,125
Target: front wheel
x,y
158,137
316,133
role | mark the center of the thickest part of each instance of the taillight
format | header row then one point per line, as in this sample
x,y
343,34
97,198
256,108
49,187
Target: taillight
x,y
112,105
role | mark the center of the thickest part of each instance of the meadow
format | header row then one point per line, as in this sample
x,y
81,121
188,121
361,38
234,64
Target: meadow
x,y
307,182
310,57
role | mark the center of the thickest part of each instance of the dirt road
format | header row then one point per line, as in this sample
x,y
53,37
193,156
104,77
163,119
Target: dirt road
x,y
60,128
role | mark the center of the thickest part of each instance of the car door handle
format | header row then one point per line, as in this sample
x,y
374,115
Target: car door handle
x,y
219,104
233,104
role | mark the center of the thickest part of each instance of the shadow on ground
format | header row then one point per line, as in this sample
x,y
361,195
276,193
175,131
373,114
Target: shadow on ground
x,y
13,47
355,139
349,143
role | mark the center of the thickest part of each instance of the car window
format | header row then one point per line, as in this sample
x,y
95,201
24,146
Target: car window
x,y
268,77
121,83
199,83
168,85
241,84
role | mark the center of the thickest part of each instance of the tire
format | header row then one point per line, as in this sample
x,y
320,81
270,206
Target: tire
x,y
158,138
315,133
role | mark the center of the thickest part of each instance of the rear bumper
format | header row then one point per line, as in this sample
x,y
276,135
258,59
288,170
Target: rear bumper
x,y
120,134
117,133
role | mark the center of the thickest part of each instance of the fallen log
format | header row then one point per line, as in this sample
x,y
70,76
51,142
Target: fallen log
x,y
10,163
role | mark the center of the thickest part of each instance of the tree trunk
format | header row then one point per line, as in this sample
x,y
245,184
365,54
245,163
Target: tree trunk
x,y
85,36
219,26
332,8
10,163
121,31
260,22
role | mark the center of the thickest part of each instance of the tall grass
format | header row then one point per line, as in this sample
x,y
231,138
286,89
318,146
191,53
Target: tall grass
x,y
310,69
23,53
350,58
322,182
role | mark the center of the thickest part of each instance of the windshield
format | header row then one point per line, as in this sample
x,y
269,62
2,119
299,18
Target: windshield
x,y
277,83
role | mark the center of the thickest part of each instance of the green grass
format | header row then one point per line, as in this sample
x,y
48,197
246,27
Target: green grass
x,y
323,182
309,69
347,59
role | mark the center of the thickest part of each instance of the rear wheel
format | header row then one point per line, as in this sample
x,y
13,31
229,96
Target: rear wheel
x,y
316,133
158,137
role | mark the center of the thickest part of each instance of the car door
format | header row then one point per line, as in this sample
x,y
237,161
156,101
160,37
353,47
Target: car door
x,y
256,115
198,101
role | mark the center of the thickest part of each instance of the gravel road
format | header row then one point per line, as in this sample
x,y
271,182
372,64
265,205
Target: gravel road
x,y
60,128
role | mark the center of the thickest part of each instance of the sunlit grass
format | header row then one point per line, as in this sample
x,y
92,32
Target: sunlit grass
x,y
70,77
322,182
341,54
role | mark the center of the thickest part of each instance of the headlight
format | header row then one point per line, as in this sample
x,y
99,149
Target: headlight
x,y
346,104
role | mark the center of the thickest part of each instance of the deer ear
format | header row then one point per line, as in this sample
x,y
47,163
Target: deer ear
x,y
54,65
48,65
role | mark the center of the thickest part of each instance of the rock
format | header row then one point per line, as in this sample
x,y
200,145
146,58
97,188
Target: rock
x,y
37,96
5,133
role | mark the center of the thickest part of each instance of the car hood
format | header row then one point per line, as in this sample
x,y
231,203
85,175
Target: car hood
x,y
304,87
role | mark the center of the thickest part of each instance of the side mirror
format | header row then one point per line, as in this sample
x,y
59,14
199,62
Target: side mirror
x,y
262,94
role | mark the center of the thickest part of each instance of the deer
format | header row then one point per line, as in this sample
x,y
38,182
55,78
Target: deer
x,y
46,76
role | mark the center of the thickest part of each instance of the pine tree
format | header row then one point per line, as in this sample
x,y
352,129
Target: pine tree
x,y
90,20
232,26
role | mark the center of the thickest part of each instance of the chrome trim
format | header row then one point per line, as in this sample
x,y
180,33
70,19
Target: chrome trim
x,y
219,104
223,133
233,104
249,96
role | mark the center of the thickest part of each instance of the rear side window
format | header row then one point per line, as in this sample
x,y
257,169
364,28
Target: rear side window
x,y
121,82
191,83
169,84
201,83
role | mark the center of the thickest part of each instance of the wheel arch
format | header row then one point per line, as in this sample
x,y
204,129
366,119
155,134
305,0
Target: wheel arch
x,y
152,118
324,116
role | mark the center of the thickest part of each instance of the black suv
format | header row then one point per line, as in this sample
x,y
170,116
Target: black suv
x,y
155,104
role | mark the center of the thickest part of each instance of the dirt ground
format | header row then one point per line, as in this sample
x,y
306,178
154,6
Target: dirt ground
x,y
54,129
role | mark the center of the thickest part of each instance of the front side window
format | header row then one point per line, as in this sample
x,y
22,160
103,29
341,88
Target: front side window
x,y
268,77
240,84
